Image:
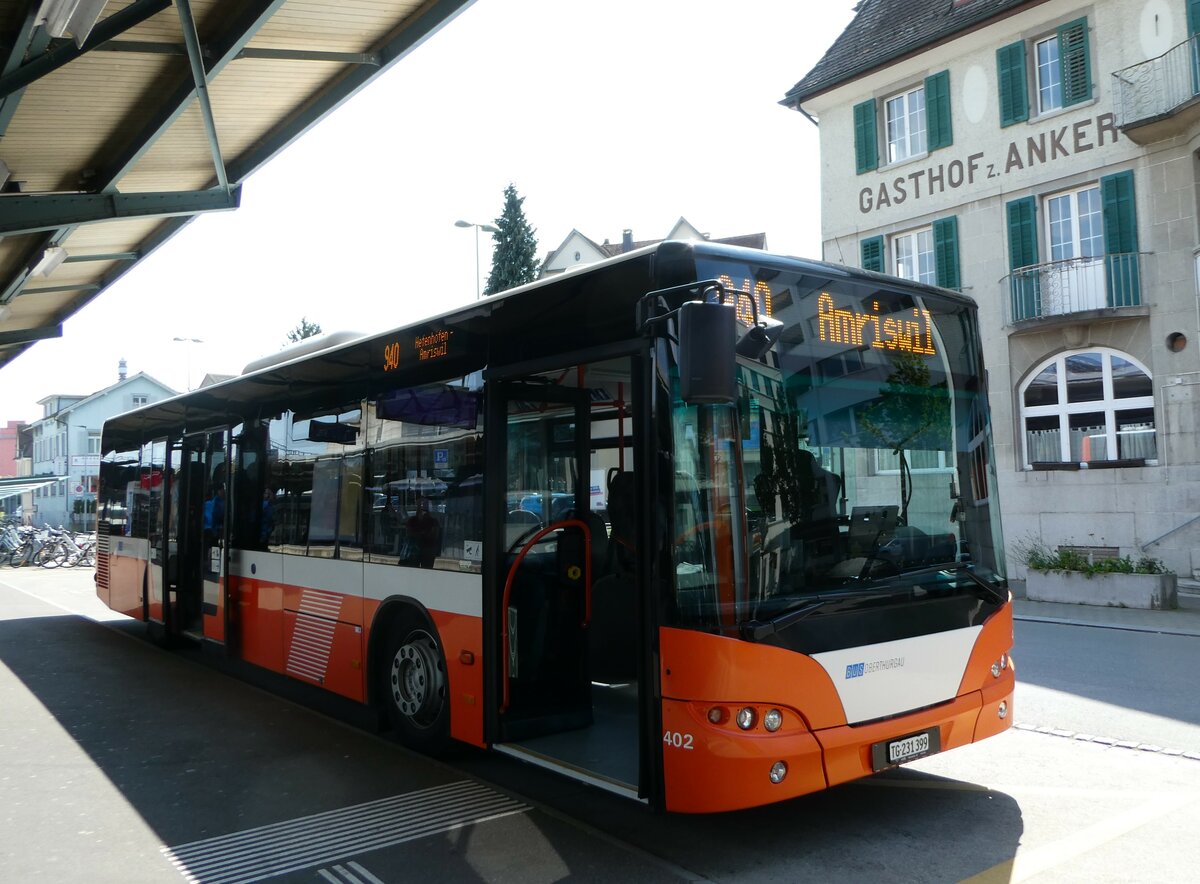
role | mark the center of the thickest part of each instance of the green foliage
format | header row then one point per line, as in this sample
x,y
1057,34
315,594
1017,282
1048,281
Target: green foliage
x,y
304,330
514,261
1037,556
910,413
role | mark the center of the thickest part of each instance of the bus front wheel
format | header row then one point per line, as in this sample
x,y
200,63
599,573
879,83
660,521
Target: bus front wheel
x,y
415,689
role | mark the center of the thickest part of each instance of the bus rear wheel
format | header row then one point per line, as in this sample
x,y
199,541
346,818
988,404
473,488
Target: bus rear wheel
x,y
415,688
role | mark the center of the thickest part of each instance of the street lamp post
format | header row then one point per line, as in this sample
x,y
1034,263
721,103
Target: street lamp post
x,y
488,228
189,357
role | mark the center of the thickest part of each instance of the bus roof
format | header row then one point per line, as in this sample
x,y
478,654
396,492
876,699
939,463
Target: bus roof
x,y
577,310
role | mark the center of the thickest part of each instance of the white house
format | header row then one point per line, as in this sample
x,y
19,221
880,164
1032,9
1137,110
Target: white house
x,y
66,443
577,250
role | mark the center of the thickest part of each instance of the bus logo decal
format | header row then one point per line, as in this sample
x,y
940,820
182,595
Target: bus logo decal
x,y
856,670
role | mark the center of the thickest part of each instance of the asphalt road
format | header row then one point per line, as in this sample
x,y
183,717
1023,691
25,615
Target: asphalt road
x,y
1111,683
121,762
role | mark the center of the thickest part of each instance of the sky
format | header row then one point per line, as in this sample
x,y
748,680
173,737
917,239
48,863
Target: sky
x,y
626,114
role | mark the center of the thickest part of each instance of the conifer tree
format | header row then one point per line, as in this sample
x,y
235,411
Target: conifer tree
x,y
304,330
514,261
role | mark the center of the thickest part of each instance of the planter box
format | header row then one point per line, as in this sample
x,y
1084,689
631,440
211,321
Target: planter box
x,y
1154,591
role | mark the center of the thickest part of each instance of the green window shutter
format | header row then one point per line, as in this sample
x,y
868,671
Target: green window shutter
x,y
871,252
945,252
866,145
1193,26
1122,268
1010,70
1023,252
1075,59
940,133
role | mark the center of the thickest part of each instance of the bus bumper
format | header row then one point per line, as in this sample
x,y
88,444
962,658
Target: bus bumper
x,y
714,766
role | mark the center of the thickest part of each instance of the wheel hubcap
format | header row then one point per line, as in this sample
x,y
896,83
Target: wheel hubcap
x,y
417,680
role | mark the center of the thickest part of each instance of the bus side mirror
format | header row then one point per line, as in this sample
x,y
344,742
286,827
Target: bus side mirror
x,y
707,358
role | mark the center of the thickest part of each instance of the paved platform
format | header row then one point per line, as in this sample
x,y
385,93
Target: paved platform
x,y
1184,620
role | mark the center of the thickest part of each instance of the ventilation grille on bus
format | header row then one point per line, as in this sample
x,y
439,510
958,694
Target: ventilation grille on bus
x,y
102,545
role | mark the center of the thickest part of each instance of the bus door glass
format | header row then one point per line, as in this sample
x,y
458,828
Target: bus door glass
x,y
155,489
186,515
568,599
213,532
544,573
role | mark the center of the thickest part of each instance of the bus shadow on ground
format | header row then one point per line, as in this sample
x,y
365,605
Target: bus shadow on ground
x,y
198,755
898,825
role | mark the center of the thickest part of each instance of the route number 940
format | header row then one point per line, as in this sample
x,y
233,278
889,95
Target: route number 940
x,y
677,740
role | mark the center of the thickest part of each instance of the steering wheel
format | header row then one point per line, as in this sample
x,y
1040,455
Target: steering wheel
x,y
515,519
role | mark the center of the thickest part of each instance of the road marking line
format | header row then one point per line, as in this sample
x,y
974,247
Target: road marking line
x,y
1028,863
355,874
1111,742
293,845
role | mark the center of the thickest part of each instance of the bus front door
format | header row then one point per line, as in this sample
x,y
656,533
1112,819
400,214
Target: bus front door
x,y
564,603
543,570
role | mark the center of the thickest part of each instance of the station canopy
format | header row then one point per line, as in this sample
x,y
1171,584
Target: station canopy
x,y
120,122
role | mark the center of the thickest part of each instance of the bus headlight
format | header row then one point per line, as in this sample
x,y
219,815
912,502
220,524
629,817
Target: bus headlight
x,y
717,715
778,772
745,718
999,666
773,720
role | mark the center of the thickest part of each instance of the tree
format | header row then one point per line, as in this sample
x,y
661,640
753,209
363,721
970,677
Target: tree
x,y
514,262
304,330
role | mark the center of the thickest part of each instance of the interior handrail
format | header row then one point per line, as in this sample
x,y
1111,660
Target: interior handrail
x,y
512,573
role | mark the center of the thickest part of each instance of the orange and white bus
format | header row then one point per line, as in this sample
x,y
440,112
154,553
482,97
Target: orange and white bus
x,y
701,525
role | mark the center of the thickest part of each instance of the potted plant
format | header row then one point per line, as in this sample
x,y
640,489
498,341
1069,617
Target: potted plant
x,y
1068,575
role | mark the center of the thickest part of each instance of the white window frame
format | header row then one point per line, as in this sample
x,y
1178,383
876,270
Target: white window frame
x,y
1074,282
905,125
1045,84
884,460
140,399
1075,240
1063,409
912,241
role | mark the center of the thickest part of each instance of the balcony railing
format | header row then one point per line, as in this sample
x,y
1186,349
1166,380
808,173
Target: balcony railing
x,y
1158,86
1074,286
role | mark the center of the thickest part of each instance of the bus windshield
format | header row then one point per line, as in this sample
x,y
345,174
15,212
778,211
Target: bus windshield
x,y
855,469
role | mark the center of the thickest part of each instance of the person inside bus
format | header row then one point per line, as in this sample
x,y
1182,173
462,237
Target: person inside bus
x,y
818,526
424,535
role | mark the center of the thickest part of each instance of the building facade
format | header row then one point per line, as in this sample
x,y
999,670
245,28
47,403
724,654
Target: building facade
x,y
66,446
1041,156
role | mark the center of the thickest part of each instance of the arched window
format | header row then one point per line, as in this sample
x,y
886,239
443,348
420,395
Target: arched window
x,y
1088,406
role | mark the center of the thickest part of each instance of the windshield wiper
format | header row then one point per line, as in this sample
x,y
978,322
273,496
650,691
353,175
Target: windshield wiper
x,y
956,570
992,592
757,630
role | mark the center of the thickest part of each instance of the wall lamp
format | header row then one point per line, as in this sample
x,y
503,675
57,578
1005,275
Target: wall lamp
x,y
48,263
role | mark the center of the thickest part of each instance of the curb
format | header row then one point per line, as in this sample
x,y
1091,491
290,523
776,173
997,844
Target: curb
x,y
1126,627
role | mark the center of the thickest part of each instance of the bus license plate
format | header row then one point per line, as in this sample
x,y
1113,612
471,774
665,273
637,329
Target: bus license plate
x,y
893,752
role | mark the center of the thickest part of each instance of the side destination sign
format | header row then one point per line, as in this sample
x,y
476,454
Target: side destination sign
x,y
416,347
